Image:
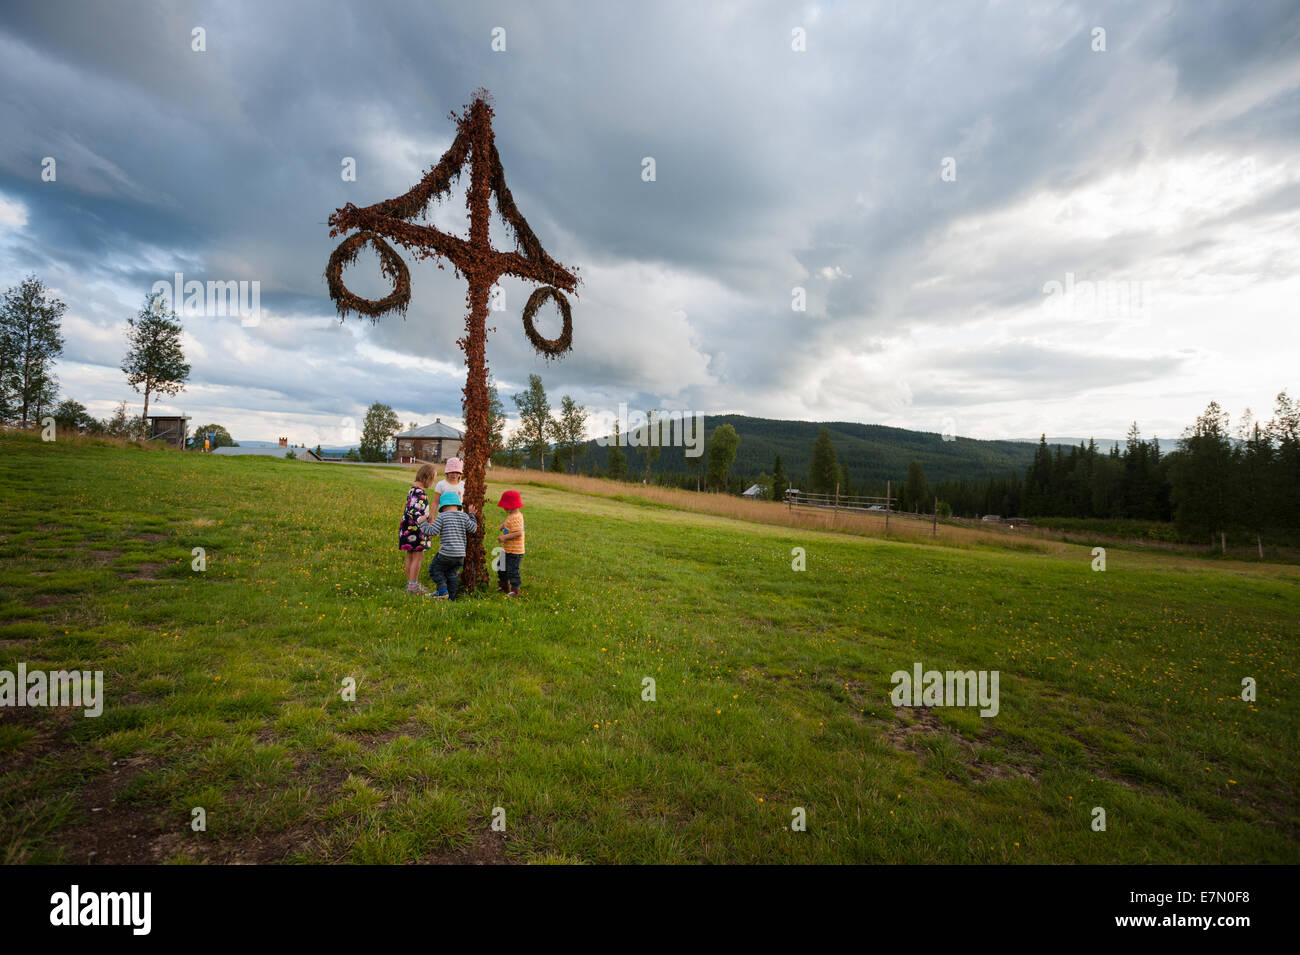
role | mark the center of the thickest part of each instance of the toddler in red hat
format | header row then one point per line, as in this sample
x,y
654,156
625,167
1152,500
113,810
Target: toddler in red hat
x,y
511,540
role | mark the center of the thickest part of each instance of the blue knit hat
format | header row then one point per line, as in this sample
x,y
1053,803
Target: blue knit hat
x,y
448,497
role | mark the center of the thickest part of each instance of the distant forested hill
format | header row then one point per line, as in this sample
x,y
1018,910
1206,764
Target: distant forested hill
x,y
870,452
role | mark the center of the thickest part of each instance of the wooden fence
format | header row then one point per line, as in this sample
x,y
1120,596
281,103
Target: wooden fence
x,y
841,502
882,506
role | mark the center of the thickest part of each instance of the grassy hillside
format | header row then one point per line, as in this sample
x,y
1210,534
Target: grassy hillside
x,y
871,452
1118,689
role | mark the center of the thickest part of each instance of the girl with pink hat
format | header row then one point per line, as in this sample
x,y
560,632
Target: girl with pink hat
x,y
455,469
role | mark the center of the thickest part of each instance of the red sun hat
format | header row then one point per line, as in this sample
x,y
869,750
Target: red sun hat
x,y
510,500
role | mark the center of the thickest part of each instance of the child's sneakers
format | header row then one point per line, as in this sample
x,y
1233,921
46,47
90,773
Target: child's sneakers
x,y
503,585
514,592
440,595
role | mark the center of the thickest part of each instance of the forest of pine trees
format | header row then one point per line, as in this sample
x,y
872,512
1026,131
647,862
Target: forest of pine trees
x,y
1087,482
1217,483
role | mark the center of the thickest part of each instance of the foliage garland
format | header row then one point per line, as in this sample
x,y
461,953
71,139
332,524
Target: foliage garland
x,y
390,264
549,347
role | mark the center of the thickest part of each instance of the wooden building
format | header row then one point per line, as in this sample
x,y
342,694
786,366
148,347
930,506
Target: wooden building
x,y
431,442
169,428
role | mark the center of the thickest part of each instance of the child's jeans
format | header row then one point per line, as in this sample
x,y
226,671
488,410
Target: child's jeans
x,y
512,570
444,571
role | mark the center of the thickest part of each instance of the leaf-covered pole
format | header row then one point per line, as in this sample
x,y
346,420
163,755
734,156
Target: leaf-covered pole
x,y
474,344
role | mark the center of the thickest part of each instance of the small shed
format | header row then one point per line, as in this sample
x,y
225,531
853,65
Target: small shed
x,y
431,442
169,428
754,492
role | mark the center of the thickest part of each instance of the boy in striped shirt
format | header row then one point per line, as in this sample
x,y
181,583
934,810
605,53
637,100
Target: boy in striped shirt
x,y
452,527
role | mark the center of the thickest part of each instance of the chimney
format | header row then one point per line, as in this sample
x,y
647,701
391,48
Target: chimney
x,y
437,421
284,442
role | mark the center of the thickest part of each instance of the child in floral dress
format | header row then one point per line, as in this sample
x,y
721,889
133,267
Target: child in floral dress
x,y
409,538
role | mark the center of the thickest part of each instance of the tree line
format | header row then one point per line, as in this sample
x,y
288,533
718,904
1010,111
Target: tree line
x,y
1218,482
31,340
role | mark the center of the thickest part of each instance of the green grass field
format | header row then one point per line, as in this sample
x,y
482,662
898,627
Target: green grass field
x,y
1119,690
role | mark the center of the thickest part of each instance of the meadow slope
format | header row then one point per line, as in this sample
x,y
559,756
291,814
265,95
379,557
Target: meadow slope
x,y
1119,690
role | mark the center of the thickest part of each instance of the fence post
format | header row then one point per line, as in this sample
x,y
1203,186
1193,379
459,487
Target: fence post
x,y
837,497
888,496
934,525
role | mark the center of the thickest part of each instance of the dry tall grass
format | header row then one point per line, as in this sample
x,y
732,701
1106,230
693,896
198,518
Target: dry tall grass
x,y
764,512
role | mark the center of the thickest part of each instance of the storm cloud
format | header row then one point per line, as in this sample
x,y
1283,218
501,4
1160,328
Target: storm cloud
x,y
1166,160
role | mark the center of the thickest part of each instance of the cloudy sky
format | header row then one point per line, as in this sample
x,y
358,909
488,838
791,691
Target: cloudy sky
x,y
923,172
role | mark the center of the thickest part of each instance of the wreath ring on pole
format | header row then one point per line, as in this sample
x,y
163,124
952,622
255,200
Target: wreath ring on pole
x,y
549,347
390,264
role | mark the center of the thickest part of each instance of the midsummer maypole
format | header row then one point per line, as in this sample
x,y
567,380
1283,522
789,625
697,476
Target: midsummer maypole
x,y
473,259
